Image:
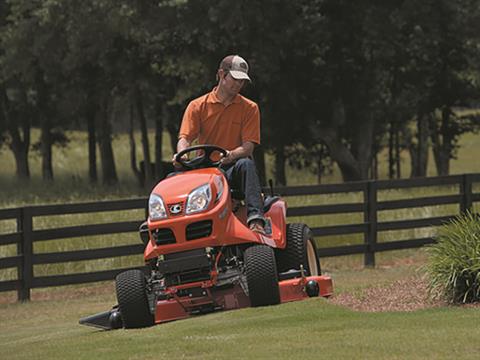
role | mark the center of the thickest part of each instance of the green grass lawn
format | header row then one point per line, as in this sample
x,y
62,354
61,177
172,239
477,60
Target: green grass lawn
x,y
311,329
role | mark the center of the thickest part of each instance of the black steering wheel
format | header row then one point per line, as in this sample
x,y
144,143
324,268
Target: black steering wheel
x,y
201,161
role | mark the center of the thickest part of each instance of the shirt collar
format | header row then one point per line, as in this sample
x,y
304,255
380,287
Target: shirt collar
x,y
212,98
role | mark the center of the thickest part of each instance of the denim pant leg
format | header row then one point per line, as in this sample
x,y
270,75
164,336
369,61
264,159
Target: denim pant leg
x,y
243,176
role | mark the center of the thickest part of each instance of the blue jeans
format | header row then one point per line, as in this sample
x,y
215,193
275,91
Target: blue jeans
x,y
242,176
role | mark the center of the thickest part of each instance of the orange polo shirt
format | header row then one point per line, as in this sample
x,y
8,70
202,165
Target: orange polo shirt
x,y
211,122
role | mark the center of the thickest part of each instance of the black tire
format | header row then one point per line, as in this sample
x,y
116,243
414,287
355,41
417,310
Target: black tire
x,y
132,299
301,250
262,278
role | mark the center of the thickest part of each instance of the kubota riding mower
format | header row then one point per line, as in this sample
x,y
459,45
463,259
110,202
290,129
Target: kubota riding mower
x,y
202,257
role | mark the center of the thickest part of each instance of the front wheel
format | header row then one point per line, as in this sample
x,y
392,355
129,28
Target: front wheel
x,y
132,299
300,250
262,278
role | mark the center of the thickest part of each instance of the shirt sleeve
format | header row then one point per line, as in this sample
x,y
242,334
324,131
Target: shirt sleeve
x,y
251,125
190,127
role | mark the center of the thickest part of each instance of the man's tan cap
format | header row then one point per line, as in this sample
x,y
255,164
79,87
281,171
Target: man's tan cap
x,y
236,66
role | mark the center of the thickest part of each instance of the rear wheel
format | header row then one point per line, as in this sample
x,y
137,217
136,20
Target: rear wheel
x,y
300,250
132,299
262,278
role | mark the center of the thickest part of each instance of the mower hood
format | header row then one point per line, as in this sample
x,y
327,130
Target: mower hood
x,y
176,188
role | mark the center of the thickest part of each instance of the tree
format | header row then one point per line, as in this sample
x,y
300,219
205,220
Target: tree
x,y
334,79
349,81
15,122
14,99
33,44
440,52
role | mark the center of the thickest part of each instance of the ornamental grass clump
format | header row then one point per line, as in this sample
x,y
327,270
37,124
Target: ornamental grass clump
x,y
454,261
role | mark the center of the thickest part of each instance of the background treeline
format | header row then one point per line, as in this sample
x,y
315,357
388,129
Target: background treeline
x,y
336,80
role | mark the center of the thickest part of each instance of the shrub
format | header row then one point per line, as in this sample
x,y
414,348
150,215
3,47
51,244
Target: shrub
x,y
454,261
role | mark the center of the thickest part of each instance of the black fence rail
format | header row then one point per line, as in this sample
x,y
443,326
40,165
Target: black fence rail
x,y
369,208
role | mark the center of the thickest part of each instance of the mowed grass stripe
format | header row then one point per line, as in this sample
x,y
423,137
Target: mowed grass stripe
x,y
309,329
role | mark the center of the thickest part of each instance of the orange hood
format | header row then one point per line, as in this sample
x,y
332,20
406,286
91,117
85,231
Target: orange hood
x,y
175,189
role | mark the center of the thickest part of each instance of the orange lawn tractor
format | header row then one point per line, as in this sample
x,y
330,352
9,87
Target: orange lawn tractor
x,y
202,257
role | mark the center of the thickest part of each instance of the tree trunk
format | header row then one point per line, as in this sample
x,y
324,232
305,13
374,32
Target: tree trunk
x,y
321,155
398,164
44,113
144,134
338,150
442,142
20,149
133,147
362,145
161,112
105,145
391,161
320,169
419,151
92,147
374,166
46,150
349,167
20,140
280,178
423,134
172,129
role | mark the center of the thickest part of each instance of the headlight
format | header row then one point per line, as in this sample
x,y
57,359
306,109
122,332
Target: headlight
x,y
199,199
219,184
156,208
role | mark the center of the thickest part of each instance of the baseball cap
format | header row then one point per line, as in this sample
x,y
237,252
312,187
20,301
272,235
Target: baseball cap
x,y
237,66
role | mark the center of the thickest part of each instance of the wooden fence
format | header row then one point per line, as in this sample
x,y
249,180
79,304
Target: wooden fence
x,y
26,235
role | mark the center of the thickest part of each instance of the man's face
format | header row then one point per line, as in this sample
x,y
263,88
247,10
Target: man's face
x,y
229,84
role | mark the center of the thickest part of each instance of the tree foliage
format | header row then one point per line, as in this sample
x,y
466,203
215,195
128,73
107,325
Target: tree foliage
x,y
335,79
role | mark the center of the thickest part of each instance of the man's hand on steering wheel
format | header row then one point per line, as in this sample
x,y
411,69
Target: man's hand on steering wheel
x,y
228,159
175,163
202,161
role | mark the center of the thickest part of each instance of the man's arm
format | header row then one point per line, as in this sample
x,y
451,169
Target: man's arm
x,y
244,150
182,144
189,129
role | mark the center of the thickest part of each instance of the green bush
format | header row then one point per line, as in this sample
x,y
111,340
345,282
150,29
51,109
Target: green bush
x,y
454,261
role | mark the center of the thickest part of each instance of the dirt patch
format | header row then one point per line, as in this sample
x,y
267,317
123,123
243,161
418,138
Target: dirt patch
x,y
402,295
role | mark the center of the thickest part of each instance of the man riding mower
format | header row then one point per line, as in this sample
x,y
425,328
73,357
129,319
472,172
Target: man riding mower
x,y
201,256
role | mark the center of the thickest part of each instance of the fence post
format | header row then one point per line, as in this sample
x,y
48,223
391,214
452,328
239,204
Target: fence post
x,y
25,248
466,193
370,218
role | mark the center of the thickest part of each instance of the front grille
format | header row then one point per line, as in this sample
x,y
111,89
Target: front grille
x,y
187,277
199,230
163,236
185,267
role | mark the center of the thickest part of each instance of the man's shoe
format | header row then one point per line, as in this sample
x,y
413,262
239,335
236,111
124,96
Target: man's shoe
x,y
257,226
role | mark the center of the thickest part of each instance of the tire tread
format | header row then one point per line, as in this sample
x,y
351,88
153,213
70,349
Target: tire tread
x,y
262,278
132,299
295,253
